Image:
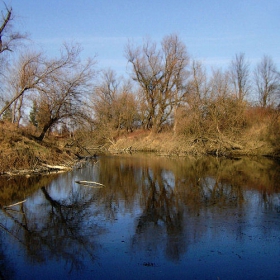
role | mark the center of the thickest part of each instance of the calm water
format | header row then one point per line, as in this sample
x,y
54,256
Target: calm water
x,y
155,218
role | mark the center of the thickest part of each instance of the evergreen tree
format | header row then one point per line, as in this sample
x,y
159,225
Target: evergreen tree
x,y
33,114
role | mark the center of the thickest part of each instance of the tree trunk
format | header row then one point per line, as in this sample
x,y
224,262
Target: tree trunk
x,y
13,100
46,127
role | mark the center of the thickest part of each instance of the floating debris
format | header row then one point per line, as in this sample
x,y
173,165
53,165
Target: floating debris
x,y
90,184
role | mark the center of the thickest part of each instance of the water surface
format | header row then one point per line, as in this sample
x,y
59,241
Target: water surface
x,y
155,218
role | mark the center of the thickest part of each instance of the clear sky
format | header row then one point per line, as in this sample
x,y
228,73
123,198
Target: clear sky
x,y
212,30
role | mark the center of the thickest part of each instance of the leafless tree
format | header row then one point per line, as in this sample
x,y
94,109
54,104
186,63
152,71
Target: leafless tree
x,y
8,37
105,94
65,95
161,74
114,105
103,100
125,107
239,76
218,100
225,112
21,79
198,86
9,41
33,69
267,81
197,91
61,85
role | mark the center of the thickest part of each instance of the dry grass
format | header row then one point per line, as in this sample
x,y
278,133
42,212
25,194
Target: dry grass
x,y
260,136
259,139
19,151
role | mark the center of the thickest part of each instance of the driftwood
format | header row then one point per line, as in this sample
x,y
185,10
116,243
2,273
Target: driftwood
x,y
39,170
15,204
56,167
90,184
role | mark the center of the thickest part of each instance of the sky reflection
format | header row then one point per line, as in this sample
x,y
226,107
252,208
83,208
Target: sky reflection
x,y
157,218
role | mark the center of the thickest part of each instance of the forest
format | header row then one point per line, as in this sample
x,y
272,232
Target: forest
x,y
169,103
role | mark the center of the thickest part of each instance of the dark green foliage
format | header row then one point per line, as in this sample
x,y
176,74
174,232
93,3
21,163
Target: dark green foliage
x,y
33,114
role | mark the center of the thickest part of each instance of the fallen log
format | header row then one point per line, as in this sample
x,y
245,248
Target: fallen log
x,y
56,167
90,184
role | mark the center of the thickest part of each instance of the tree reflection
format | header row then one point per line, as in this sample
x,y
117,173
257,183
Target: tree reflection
x,y
55,228
6,266
161,211
177,200
172,201
121,178
17,188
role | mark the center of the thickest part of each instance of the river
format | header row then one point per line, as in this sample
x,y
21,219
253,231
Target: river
x,y
150,217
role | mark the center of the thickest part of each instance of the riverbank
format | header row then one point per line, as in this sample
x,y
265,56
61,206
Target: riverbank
x,y
21,153
179,145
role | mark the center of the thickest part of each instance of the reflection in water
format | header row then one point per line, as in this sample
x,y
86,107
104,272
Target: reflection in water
x,y
156,217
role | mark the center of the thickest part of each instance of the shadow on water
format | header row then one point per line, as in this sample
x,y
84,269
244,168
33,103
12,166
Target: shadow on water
x,y
157,217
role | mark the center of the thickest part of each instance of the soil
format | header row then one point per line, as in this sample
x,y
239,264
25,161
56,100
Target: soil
x,y
21,153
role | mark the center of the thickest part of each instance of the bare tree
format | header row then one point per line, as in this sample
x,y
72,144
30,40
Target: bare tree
x,y
126,108
61,86
23,77
104,98
197,91
198,87
239,76
33,71
65,96
9,41
161,75
8,37
267,81
105,94
224,112
218,100
114,105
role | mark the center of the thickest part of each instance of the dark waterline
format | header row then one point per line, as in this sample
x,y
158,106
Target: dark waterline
x,y
155,218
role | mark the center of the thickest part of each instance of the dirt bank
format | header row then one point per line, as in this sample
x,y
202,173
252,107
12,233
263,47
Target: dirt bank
x,y
170,144
21,153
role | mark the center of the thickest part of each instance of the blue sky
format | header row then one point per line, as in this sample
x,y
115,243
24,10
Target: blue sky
x,y
212,30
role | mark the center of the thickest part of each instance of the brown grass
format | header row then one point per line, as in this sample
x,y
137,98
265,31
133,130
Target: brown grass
x,y
260,138
20,151
260,135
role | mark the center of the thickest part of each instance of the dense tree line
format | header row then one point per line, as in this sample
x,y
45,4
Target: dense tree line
x,y
166,90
